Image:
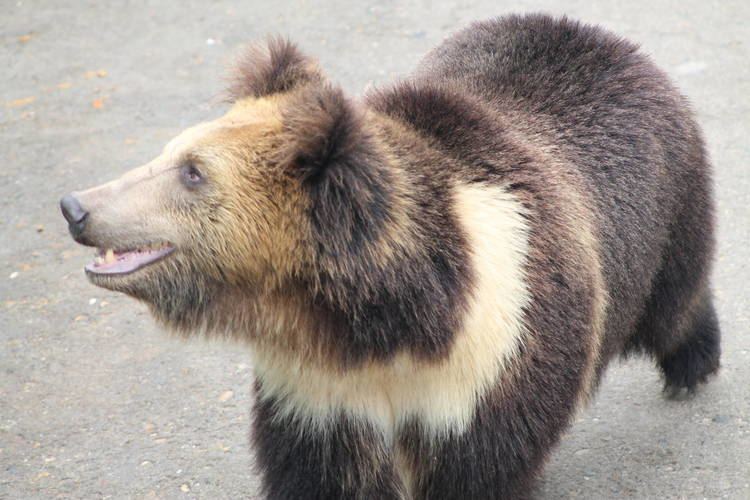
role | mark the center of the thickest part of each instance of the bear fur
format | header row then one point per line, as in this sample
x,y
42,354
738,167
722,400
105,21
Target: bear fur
x,y
433,278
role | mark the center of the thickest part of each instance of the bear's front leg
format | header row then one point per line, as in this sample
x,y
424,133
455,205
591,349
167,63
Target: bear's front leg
x,y
336,457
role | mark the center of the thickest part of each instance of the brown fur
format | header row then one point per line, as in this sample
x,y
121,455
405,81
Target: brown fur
x,y
272,68
434,278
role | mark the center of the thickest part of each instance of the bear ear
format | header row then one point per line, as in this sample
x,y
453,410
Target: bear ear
x,y
272,67
324,131
338,156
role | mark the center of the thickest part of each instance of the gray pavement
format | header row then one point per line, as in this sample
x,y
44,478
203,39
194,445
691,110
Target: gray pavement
x,y
95,401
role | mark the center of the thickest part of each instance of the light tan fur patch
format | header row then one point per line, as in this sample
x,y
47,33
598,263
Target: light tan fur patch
x,y
444,394
261,211
580,223
590,251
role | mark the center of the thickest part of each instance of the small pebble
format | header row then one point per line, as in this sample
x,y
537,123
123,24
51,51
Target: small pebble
x,y
721,419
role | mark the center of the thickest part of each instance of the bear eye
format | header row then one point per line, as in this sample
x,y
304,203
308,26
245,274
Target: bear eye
x,y
191,175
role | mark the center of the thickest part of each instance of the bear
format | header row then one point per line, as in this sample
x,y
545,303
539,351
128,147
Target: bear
x,y
433,277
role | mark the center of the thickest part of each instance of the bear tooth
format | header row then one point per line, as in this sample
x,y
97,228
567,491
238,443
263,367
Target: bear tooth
x,y
110,256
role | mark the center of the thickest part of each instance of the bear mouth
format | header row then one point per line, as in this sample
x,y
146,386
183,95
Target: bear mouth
x,y
113,262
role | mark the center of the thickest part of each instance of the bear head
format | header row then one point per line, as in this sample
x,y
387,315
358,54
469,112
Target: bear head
x,y
293,188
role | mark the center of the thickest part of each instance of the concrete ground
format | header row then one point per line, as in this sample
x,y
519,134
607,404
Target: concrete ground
x,y
95,401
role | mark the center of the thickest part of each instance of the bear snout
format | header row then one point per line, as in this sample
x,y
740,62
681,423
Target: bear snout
x,y
76,216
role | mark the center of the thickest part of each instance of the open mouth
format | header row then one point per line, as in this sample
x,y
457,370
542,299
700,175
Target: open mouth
x,y
127,261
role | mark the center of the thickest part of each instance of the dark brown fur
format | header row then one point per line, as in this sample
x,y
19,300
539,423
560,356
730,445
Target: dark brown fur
x,y
624,140
604,156
373,308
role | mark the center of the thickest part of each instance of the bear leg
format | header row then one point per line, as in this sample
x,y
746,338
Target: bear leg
x,y
698,356
342,458
678,327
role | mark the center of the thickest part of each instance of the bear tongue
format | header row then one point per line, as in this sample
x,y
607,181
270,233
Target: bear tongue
x,y
126,262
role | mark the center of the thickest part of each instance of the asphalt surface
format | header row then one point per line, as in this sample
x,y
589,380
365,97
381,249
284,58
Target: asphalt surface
x,y
95,401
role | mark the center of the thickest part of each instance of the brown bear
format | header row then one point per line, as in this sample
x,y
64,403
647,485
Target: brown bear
x,y
432,278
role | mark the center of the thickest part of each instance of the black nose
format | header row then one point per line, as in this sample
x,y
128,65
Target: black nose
x,y
74,214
